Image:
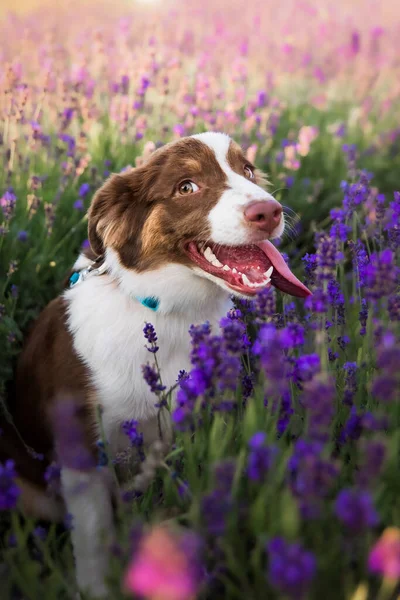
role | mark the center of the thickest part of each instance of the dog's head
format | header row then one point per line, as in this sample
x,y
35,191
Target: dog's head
x,y
196,208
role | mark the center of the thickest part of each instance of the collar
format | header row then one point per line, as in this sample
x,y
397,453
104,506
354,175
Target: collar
x,y
92,270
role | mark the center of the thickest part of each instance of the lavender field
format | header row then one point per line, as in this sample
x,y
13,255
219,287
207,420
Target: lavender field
x,y
283,480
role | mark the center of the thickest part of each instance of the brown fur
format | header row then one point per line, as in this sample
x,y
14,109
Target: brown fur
x,y
48,367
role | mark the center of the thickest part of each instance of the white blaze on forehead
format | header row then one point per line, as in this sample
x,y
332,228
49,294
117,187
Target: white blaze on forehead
x,y
226,218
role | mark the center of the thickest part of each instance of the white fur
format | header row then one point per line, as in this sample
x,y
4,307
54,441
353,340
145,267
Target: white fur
x,y
106,321
88,500
226,218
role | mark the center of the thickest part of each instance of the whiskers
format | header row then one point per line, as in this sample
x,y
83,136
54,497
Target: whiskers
x,y
292,220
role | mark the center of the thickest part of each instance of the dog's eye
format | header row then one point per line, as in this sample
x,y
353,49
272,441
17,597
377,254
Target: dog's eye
x,y
188,187
248,172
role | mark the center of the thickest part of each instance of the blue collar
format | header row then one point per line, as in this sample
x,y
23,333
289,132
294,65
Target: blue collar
x,y
76,277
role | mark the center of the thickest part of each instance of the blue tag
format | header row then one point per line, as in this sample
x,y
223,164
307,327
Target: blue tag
x,y
150,302
74,278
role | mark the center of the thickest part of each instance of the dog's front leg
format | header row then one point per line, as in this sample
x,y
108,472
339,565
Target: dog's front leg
x,y
88,501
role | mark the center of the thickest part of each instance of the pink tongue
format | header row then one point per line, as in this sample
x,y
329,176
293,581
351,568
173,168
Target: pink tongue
x,y
282,277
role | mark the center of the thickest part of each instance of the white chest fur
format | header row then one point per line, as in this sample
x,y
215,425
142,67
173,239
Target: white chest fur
x,y
107,328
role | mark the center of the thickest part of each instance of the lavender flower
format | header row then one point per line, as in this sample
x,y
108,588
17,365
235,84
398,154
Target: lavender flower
x,y
350,382
151,337
311,477
68,421
261,457
373,454
7,204
291,569
311,263
130,428
363,317
381,275
318,399
152,379
355,510
393,223
9,491
394,307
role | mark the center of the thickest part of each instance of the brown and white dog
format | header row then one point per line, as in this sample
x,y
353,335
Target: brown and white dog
x,y
189,228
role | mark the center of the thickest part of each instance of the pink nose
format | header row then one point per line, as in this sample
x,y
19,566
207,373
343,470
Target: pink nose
x,y
264,214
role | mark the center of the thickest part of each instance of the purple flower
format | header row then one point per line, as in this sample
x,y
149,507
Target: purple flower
x,y
22,236
292,336
152,379
318,398
363,317
385,385
360,260
40,533
233,332
130,428
9,491
356,193
78,204
381,275
264,304
355,510
353,427
306,367
261,457
350,382
373,455
311,264
394,307
84,190
52,476
327,256
71,447
7,204
291,568
151,337
311,477
217,504
393,222
318,302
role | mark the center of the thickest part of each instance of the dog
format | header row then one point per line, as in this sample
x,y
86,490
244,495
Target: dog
x,y
170,242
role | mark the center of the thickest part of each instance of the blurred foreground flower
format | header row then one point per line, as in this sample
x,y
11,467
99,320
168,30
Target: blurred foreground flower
x,y
161,569
9,491
291,568
384,557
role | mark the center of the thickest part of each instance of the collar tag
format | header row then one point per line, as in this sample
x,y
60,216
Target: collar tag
x,y
79,276
150,302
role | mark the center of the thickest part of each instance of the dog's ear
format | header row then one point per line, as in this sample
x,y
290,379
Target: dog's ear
x,y
108,215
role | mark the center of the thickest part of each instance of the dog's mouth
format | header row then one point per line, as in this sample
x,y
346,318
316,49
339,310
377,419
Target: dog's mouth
x,y
247,269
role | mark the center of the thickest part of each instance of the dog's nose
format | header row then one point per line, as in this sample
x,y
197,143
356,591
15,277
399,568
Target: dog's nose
x,y
264,214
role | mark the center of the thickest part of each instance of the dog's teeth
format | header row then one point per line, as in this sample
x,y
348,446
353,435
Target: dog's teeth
x,y
246,281
226,268
208,254
234,270
269,272
216,262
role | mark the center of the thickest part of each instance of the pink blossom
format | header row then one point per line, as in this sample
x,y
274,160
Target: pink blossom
x,y
160,570
384,557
